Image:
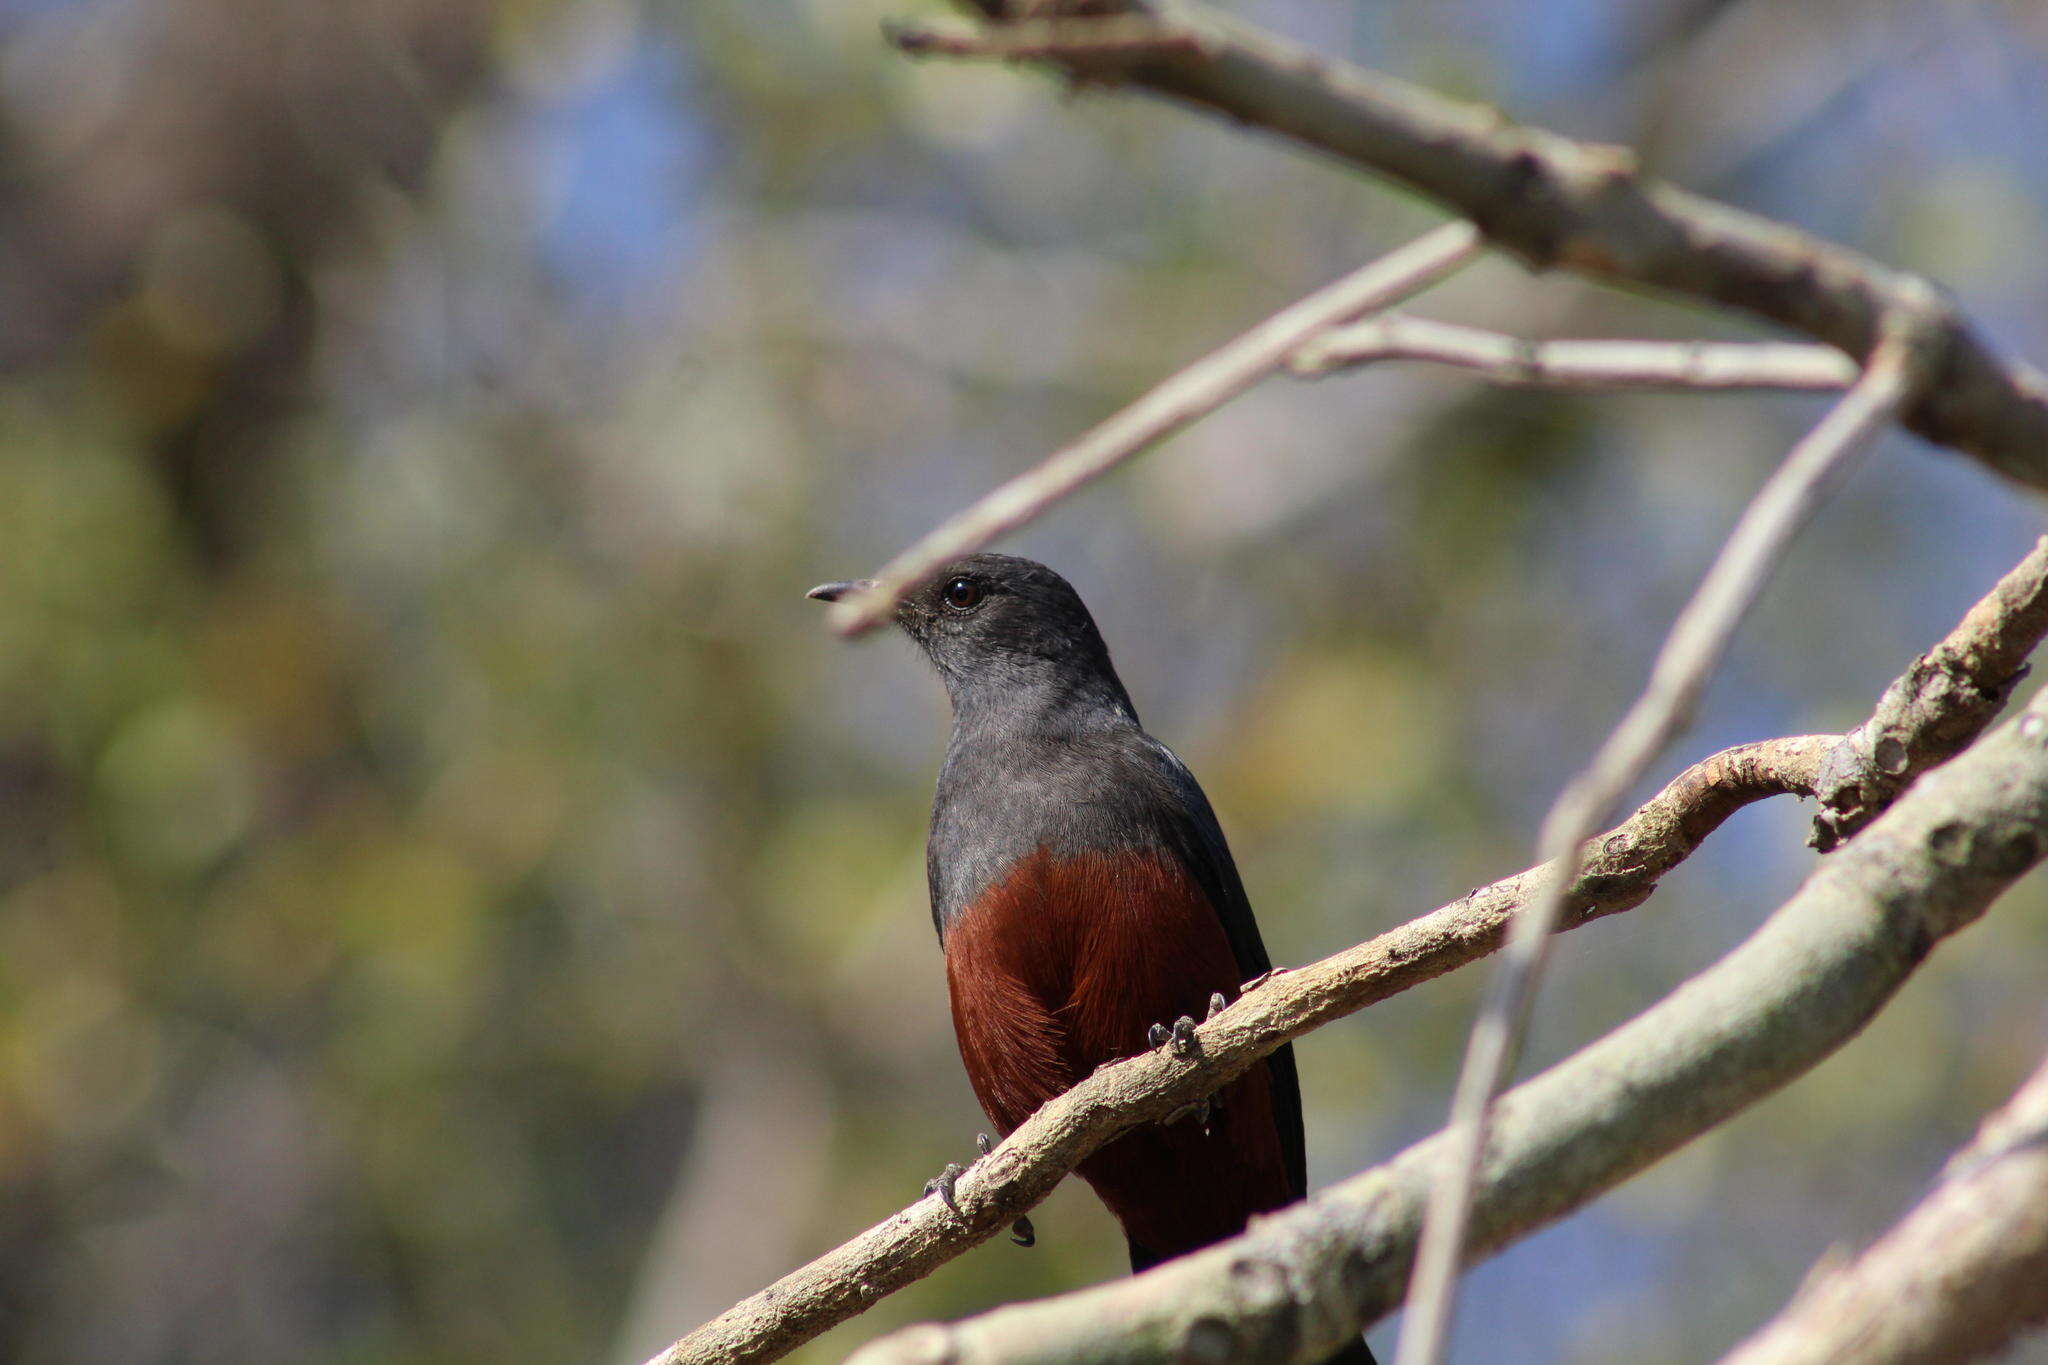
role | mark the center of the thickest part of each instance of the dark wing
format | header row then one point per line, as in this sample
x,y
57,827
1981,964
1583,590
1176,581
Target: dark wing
x,y
1198,839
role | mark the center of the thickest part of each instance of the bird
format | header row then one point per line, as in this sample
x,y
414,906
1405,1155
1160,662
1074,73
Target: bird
x,y
1084,894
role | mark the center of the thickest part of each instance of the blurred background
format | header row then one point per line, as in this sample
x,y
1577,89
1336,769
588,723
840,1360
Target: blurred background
x,y
457,903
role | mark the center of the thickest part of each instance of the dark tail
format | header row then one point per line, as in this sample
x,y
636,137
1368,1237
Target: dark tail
x,y
1357,1353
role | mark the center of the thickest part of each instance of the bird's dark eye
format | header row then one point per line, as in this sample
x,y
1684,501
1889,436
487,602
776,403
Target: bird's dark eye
x,y
962,594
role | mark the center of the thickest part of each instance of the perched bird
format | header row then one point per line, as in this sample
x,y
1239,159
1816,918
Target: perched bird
x,y
1084,896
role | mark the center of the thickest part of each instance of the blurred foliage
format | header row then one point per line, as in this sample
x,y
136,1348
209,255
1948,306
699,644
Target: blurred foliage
x,y
455,903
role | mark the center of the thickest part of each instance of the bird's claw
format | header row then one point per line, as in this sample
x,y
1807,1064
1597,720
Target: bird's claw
x,y
1181,1037
944,1183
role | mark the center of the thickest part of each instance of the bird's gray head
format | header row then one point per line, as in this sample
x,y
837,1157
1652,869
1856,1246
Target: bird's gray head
x,y
1008,633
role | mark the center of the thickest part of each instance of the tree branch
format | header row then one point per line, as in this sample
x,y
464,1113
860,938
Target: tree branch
x,y
1169,405
1583,207
1127,36
1695,646
1931,711
1301,1282
1957,1278
1520,363
1621,873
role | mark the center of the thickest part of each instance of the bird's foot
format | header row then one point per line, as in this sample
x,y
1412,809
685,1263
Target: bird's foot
x,y
943,1185
1180,1038
1021,1231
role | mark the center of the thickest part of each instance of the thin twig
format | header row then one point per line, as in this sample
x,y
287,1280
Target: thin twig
x,y
1126,36
1192,392
2002,628
1697,641
1510,360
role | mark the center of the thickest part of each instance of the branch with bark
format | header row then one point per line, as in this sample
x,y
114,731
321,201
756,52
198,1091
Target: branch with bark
x,y
1986,653
1957,1278
1932,711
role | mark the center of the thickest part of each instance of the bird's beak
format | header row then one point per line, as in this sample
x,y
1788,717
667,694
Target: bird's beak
x,y
833,592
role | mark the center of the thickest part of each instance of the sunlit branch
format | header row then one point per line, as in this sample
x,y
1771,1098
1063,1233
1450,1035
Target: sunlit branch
x,y
1574,364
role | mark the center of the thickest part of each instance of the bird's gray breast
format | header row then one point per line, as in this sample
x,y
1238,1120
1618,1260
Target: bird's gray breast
x,y
1001,799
